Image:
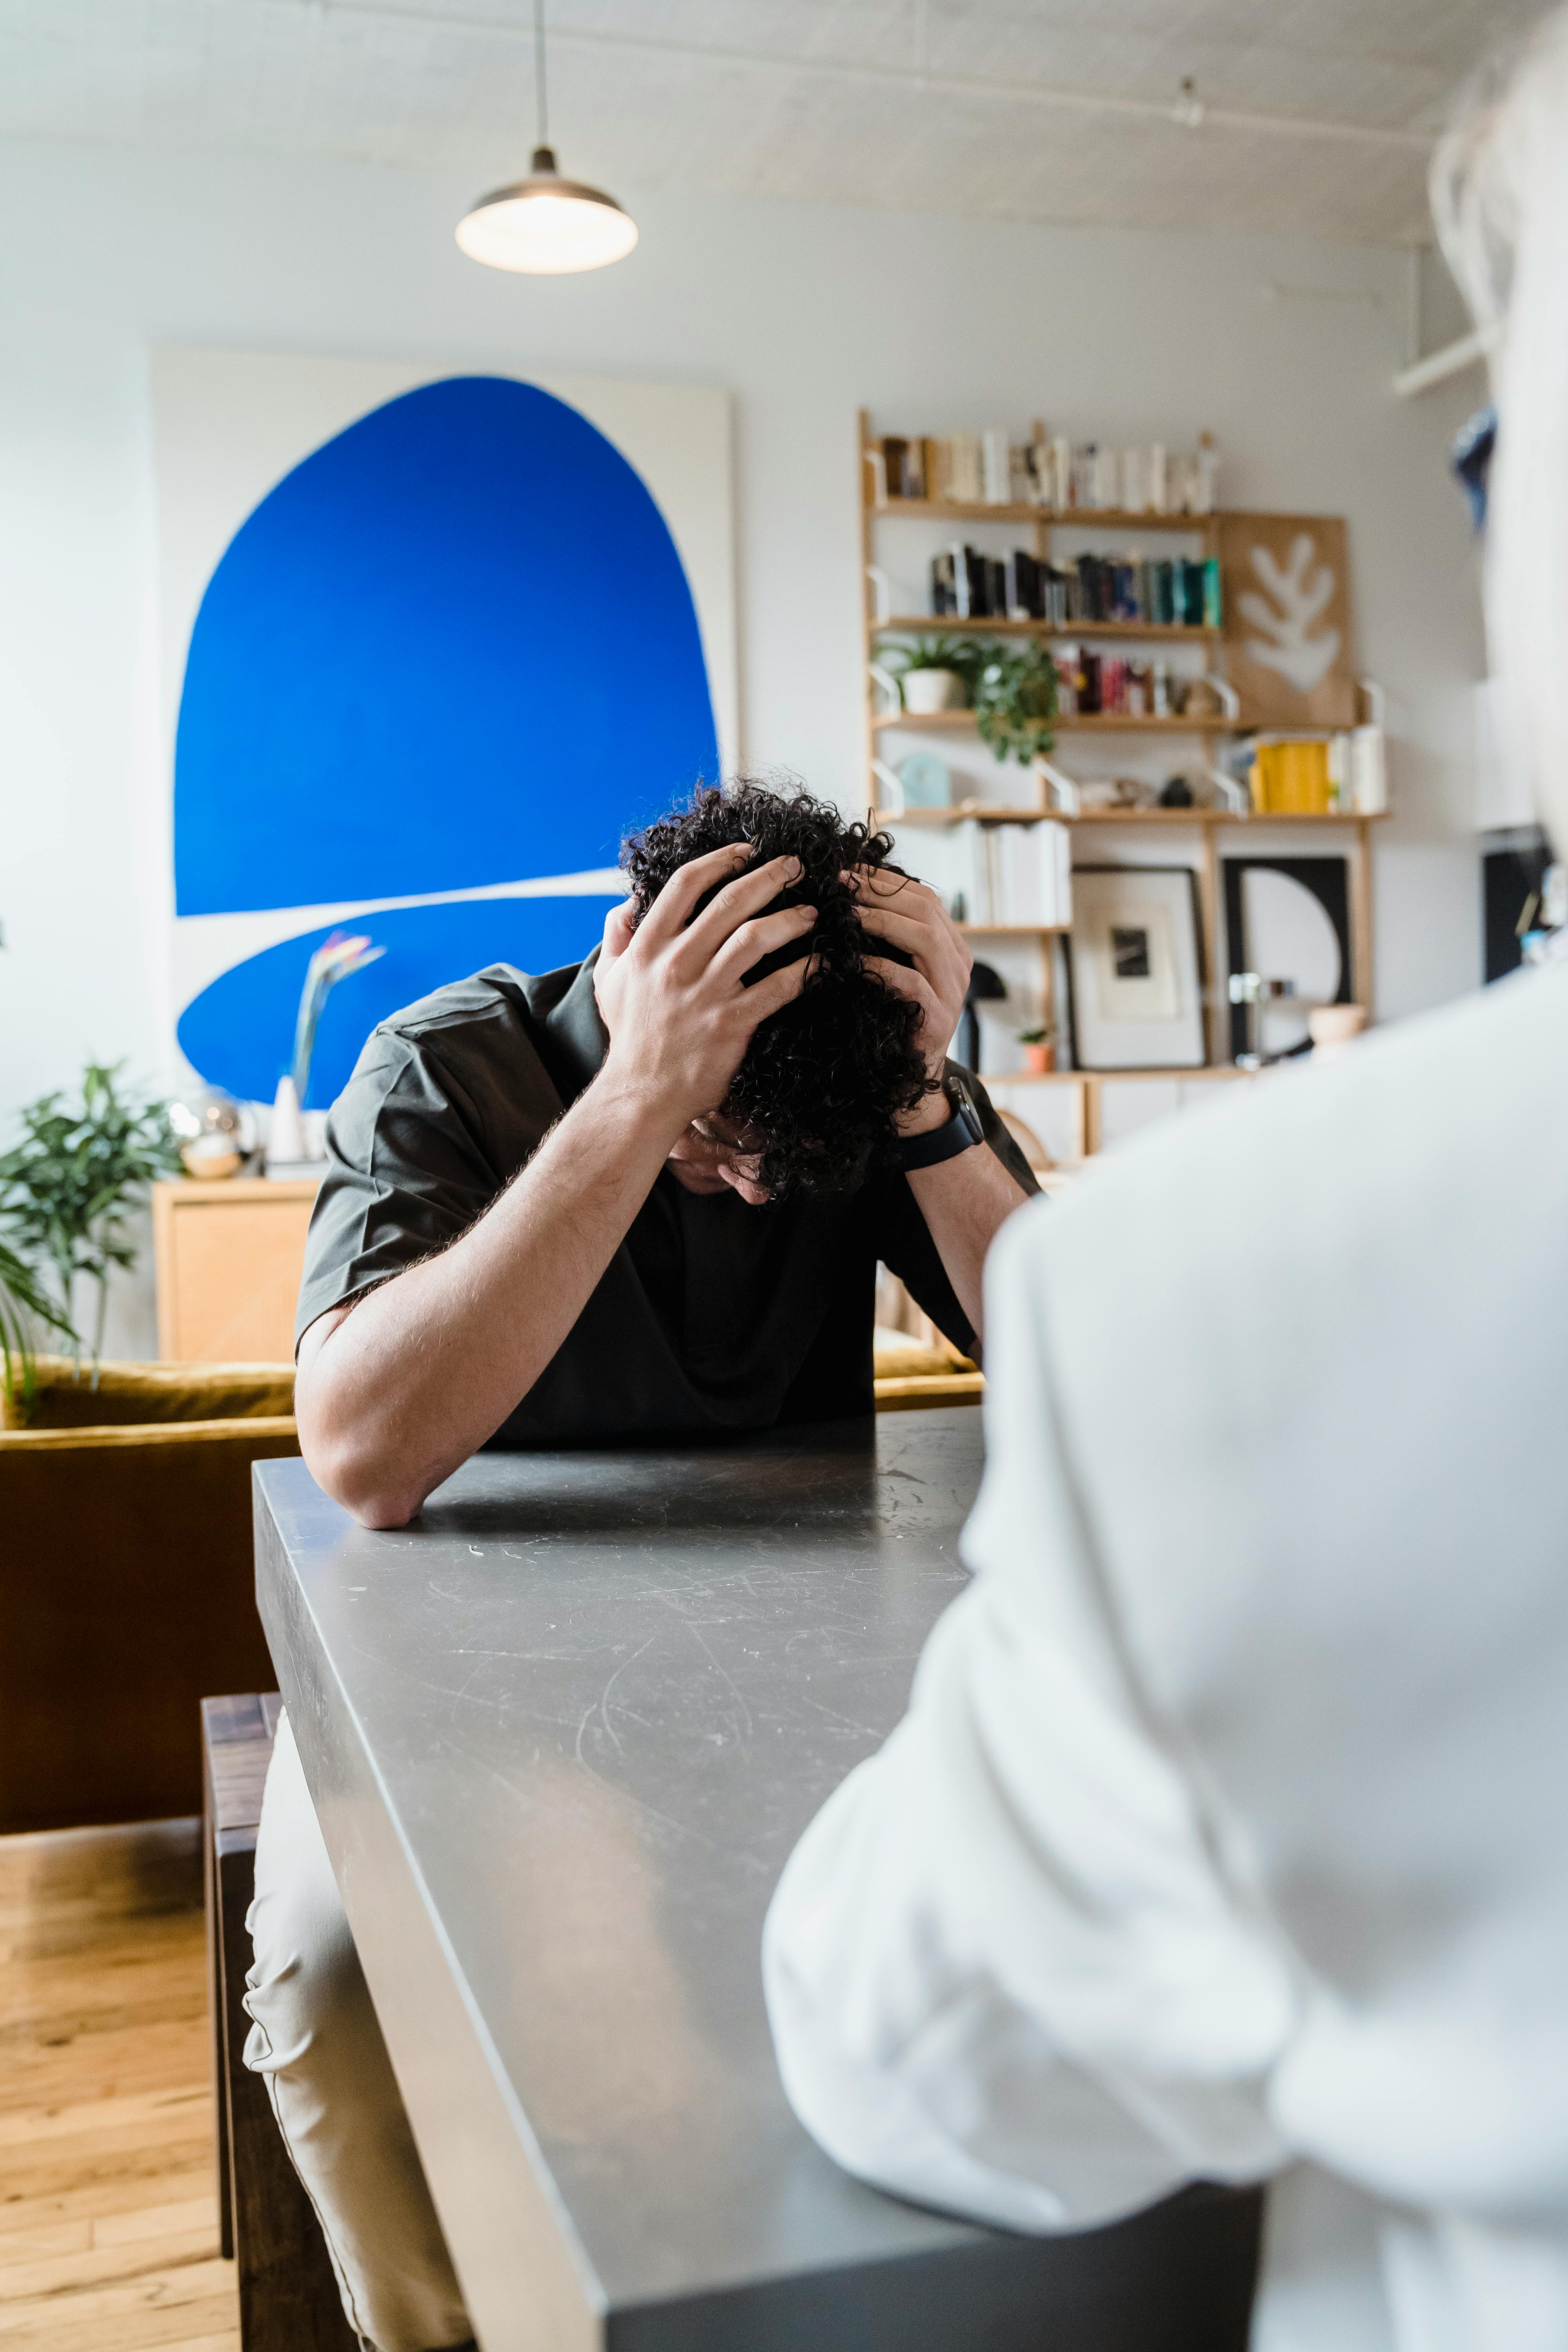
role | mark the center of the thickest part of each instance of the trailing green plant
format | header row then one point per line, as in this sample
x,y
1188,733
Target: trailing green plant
x,y
65,1188
23,1301
1015,702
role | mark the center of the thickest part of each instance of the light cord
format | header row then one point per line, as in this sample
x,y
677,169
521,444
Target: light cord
x,y
540,96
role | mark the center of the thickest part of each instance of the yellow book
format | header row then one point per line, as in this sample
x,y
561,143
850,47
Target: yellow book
x,y
1291,779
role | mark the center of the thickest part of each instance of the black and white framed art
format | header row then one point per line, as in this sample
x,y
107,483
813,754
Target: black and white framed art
x,y
1288,918
1135,968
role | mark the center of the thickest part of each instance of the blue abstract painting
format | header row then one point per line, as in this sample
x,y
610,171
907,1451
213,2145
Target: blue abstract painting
x,y
233,1026
454,646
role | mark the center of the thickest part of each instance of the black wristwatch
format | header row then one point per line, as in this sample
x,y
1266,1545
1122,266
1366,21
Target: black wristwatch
x,y
961,1132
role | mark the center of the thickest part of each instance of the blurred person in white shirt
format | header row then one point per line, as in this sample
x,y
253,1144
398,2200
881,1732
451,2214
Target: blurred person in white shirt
x,y
1227,1836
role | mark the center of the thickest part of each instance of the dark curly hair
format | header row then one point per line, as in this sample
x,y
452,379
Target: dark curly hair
x,y
823,1079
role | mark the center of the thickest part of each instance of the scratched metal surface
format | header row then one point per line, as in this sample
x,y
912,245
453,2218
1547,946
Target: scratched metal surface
x,y
602,1695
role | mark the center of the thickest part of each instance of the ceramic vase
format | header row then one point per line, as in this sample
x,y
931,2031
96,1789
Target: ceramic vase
x,y
927,691
286,1137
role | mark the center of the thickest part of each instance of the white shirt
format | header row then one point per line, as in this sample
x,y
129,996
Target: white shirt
x,y
1229,1826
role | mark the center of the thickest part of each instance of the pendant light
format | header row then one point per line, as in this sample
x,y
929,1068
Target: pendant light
x,y
545,225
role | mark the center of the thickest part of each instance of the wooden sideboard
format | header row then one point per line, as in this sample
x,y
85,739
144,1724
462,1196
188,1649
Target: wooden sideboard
x,y
228,1259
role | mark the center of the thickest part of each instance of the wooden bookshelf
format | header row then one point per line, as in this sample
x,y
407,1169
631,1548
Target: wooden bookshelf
x,y
913,624
1014,931
1089,722
1208,823
1048,518
992,813
1089,1086
1179,1074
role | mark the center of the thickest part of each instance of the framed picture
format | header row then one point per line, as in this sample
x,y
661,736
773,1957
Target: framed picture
x,y
1288,918
1135,968
1285,585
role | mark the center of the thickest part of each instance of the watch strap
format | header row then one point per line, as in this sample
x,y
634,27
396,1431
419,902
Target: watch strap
x,y
962,1133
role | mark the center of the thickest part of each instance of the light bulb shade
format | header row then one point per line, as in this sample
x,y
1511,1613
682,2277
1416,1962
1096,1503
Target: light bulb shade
x,y
546,225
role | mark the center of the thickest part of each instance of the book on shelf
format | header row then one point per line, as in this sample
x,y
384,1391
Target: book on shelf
x,y
1103,685
1131,590
946,603
1015,875
1060,475
996,468
1021,586
1328,775
965,479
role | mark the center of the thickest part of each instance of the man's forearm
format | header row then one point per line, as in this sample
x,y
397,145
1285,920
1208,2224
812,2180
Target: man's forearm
x,y
964,1202
411,1383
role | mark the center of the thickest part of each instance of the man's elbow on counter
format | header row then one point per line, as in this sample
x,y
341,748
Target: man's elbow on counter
x,y
352,1475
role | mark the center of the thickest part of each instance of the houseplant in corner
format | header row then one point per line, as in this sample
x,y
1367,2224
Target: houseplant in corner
x,y
65,1187
22,1302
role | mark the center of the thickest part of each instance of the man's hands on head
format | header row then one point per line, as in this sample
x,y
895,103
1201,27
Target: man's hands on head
x,y
912,917
672,992
393,1397
965,1198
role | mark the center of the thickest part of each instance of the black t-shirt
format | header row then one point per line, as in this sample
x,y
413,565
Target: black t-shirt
x,y
712,1316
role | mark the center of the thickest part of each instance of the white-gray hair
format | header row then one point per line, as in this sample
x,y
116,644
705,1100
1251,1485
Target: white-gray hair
x,y
1500,196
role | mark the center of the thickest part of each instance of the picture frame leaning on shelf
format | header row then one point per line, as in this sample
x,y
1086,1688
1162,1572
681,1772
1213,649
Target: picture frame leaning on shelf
x,y
1135,968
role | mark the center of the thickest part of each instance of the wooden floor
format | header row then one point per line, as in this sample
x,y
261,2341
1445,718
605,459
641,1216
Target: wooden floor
x,y
108,2206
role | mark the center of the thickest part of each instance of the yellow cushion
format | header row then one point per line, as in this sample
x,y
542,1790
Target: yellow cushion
x,y
918,1395
67,1398
897,1357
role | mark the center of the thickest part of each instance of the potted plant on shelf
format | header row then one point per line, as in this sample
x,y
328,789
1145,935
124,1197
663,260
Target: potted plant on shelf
x,y
1040,1051
936,674
1015,702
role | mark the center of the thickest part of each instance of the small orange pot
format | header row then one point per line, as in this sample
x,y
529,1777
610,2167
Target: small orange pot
x,y
1039,1060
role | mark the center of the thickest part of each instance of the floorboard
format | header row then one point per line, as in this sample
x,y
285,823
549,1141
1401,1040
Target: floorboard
x,y
108,2209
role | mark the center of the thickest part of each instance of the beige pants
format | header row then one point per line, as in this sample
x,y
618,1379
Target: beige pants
x,y
316,2043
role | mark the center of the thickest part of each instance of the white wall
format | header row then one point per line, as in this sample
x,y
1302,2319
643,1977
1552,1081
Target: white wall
x,y
804,312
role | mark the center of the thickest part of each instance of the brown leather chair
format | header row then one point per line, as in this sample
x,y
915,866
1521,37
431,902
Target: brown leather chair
x,y
127,1585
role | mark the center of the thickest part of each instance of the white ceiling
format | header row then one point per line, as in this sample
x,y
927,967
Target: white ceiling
x,y
1318,113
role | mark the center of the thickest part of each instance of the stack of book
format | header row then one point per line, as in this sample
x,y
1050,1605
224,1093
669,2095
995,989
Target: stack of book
x,y
964,469
1064,477
1327,775
1090,685
1015,874
1086,476
967,584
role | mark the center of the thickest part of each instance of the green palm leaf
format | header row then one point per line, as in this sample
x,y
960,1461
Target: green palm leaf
x,y
23,1302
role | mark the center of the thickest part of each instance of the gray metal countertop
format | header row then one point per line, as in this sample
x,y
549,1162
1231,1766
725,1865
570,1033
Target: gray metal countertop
x,y
562,1736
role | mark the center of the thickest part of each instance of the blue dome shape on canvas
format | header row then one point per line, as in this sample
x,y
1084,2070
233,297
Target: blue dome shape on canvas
x,y
454,646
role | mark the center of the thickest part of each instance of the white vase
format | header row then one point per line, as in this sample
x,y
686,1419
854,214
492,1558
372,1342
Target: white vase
x,y
927,691
286,1136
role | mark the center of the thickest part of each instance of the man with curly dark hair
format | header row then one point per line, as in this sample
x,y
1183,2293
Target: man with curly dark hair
x,y
642,1197
534,1225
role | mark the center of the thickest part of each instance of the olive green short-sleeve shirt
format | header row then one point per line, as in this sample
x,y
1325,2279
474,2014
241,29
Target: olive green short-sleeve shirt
x,y
712,1316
